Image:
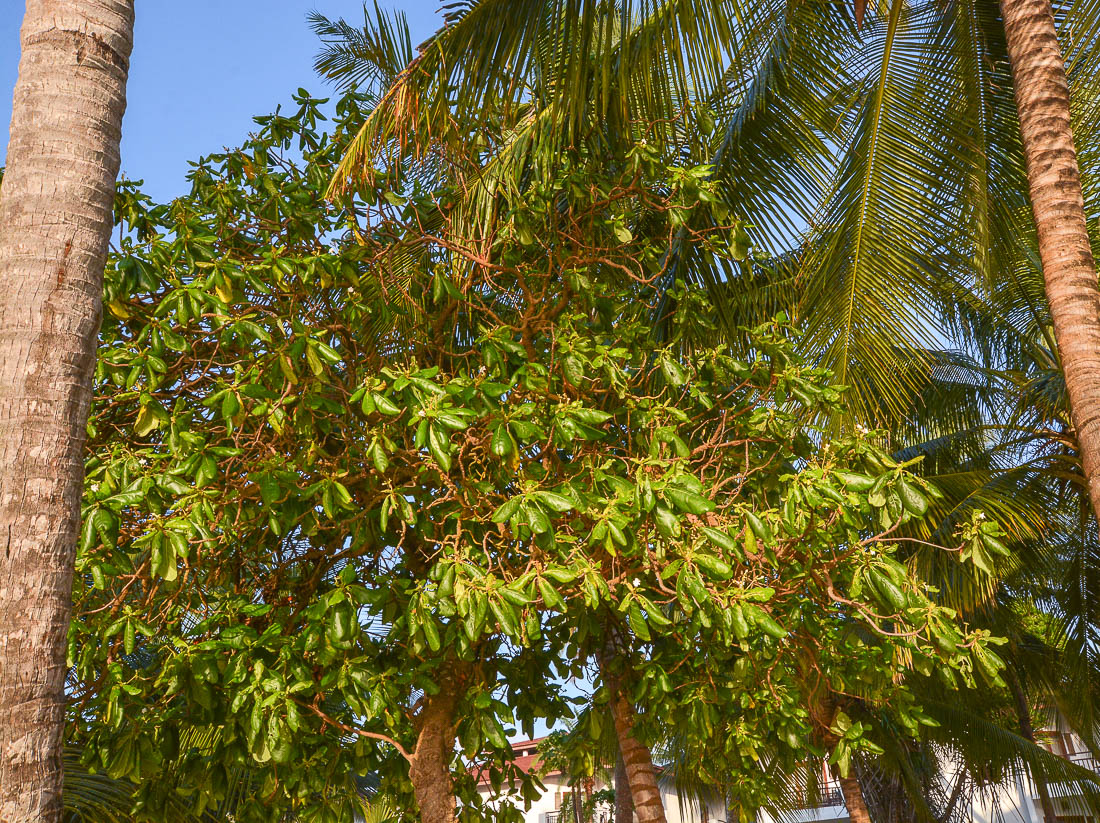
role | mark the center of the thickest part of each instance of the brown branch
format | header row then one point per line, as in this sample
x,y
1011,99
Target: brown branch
x,y
357,731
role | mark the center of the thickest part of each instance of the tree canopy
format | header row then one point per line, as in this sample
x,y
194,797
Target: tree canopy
x,y
352,470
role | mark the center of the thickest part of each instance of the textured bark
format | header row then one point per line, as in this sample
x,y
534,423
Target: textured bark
x,y
853,799
624,804
55,225
640,773
1023,717
430,763
1069,271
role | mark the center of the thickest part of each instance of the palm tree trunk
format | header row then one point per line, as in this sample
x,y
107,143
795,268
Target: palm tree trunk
x,y
640,773
1042,103
853,799
55,225
849,786
624,804
1023,717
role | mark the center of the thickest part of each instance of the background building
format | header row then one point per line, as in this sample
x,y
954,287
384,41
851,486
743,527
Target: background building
x,y
1013,801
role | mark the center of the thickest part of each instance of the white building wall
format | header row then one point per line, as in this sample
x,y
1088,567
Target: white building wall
x,y
541,809
1010,802
821,814
688,811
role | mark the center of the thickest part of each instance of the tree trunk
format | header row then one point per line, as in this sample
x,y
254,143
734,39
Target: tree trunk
x,y
853,799
624,804
430,763
640,773
1042,103
1023,717
55,225
641,776
849,786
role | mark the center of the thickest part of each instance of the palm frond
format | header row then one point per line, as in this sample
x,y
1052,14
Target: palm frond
x,y
93,797
367,57
985,748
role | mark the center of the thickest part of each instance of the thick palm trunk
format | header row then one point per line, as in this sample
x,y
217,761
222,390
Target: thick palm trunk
x,y
640,773
55,225
850,788
624,803
1042,103
641,776
853,799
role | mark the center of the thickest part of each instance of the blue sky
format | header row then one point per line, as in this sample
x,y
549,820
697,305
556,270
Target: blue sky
x,y
201,70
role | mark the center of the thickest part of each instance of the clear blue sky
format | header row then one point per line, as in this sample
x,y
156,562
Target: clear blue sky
x,y
201,69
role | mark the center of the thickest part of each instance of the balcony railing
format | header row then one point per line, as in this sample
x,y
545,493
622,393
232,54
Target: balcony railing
x,y
601,816
1085,760
1066,790
829,794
